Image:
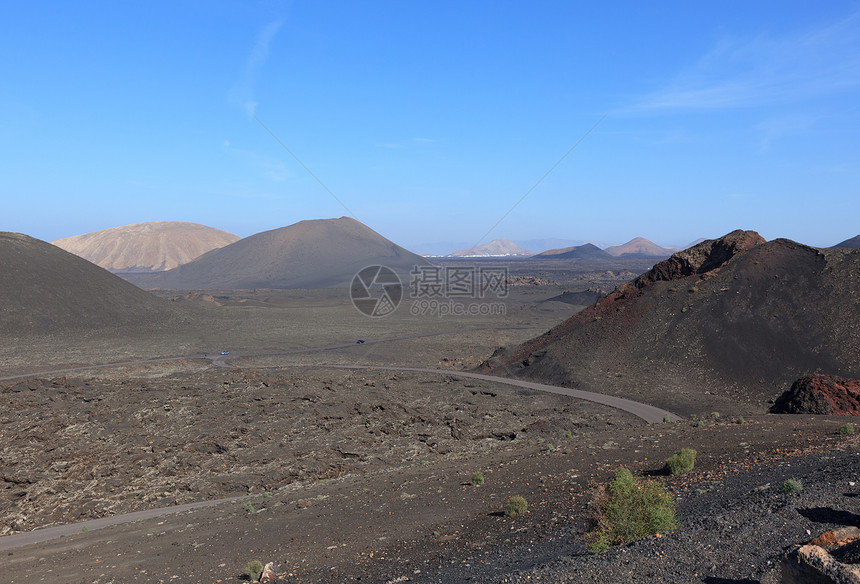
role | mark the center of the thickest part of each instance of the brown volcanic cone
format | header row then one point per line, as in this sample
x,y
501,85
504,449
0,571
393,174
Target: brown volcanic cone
x,y
638,247
309,254
44,288
730,322
146,247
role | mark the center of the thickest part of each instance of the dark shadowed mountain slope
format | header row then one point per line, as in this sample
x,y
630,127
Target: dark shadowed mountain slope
x,y
852,243
730,323
146,247
46,289
310,254
588,251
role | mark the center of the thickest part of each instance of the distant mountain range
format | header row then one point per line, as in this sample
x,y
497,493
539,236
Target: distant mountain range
x,y
495,248
146,247
637,247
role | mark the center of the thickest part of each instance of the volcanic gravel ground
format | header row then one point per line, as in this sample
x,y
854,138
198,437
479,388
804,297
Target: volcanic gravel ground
x,y
75,449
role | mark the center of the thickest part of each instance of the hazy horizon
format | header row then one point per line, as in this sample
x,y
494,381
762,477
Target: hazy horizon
x,y
435,122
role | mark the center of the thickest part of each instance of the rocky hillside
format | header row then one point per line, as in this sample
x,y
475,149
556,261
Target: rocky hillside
x,y
146,247
46,289
731,322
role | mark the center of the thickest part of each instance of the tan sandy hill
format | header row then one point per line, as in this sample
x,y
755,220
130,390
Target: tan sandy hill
x,y
46,289
735,319
852,243
496,248
587,251
320,253
638,247
146,247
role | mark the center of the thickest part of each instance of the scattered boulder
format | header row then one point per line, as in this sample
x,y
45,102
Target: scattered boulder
x,y
268,573
821,394
830,558
811,564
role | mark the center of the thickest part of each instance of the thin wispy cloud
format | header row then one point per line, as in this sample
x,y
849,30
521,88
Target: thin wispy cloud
x,y
767,70
242,93
775,128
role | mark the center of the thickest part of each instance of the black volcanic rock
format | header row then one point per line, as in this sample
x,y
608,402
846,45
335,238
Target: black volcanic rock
x,y
702,258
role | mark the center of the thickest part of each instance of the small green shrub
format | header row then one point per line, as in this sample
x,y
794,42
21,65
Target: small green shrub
x,y
846,429
700,424
568,434
740,420
792,486
682,461
249,507
549,447
630,509
477,478
84,529
715,415
254,570
516,506
666,419
694,289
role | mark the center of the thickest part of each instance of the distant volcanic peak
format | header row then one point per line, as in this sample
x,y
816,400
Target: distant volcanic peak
x,y
315,253
638,246
497,247
586,250
151,246
704,257
852,243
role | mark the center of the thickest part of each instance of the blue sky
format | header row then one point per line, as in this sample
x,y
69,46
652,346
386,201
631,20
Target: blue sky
x,y
429,121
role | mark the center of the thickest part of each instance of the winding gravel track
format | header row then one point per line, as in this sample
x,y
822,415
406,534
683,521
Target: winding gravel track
x,y
648,413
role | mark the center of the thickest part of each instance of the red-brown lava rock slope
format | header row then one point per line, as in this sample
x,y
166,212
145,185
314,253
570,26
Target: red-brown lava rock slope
x,y
728,324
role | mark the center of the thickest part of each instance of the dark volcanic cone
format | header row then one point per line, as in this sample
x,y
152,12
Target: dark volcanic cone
x,y
309,254
852,243
730,322
46,289
585,251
